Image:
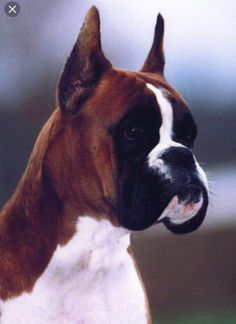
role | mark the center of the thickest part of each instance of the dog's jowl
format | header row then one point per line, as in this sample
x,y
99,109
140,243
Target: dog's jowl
x,y
114,157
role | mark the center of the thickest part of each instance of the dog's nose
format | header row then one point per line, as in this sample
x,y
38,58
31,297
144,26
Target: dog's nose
x,y
180,156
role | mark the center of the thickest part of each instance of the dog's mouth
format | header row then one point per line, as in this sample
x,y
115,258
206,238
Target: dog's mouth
x,y
189,202
180,205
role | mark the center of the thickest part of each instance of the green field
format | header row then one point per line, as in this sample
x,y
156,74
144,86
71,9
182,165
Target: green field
x,y
221,318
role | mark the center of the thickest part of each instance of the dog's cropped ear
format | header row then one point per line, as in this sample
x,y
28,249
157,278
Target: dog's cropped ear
x,y
155,61
85,65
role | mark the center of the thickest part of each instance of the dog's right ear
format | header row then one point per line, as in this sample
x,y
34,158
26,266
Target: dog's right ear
x,y
85,65
155,61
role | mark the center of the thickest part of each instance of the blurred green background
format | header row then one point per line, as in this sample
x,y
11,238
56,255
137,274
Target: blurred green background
x,y
189,279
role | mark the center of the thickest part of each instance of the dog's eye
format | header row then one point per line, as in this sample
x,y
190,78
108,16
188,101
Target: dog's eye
x,y
188,140
133,133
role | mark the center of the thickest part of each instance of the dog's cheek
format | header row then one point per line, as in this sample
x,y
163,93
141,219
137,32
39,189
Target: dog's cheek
x,y
141,198
106,169
149,199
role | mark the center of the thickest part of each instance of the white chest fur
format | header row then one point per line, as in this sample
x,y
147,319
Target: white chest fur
x,y
90,280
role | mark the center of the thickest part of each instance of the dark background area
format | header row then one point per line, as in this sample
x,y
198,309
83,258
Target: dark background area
x,y
189,277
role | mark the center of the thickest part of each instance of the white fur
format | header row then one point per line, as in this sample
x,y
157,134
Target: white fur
x,y
177,212
90,280
165,133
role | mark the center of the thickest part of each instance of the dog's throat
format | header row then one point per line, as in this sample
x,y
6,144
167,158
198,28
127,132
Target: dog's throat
x,y
96,264
94,241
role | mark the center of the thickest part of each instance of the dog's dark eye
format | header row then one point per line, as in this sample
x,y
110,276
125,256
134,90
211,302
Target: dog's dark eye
x,y
133,133
188,140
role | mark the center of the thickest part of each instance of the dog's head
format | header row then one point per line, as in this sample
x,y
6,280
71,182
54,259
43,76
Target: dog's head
x,y
130,137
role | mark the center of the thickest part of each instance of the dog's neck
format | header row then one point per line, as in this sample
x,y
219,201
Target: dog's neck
x,y
95,246
95,264
33,222
36,221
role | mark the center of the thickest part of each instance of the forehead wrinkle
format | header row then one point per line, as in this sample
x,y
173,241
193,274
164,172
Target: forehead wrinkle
x,y
117,93
121,84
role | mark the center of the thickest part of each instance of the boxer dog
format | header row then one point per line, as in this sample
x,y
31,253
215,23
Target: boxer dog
x,y
114,157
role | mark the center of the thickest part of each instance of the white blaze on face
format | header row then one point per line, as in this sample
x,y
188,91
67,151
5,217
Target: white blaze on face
x,y
165,132
178,212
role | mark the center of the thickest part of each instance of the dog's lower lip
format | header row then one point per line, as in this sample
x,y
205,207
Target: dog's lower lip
x,y
189,193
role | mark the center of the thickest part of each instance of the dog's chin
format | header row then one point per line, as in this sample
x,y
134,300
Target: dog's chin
x,y
186,210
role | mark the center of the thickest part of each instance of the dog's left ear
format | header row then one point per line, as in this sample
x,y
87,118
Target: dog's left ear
x,y
155,61
85,65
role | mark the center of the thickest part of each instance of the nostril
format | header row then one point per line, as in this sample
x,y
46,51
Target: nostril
x,y
191,193
179,155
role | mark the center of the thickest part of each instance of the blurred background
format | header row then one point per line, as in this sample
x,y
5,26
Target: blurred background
x,y
189,279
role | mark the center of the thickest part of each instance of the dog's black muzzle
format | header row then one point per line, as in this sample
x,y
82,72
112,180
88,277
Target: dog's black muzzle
x,y
151,196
